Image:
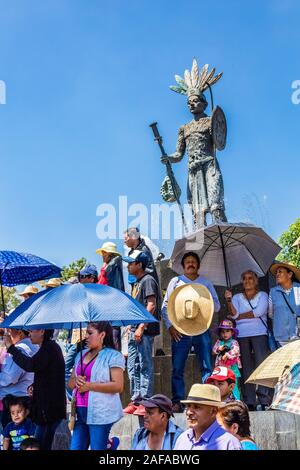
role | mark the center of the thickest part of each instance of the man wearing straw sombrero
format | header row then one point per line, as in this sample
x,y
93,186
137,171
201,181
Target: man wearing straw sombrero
x,y
284,302
205,433
187,310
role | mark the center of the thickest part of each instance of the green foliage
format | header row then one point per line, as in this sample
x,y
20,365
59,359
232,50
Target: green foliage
x,y
73,268
11,299
290,253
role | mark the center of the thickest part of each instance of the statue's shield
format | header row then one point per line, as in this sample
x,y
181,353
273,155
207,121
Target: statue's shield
x,y
219,128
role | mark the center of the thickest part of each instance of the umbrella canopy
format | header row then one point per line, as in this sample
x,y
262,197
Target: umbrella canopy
x,y
287,391
226,251
24,268
73,305
269,372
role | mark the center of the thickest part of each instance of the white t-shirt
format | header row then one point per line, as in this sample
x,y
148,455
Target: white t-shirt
x,y
251,326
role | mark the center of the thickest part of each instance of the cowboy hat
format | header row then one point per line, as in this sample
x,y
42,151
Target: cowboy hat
x,y
55,282
289,266
226,324
29,290
108,247
204,394
190,309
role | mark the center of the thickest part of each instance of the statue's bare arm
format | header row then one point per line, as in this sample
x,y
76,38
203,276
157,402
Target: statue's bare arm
x,y
180,149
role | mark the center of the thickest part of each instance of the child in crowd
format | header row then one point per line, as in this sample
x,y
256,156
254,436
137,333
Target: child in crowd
x,y
30,443
234,418
225,380
227,351
20,427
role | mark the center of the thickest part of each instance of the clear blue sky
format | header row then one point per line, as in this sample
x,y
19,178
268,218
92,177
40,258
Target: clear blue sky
x,y
85,78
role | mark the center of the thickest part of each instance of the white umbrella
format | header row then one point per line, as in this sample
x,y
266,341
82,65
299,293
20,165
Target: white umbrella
x,y
227,250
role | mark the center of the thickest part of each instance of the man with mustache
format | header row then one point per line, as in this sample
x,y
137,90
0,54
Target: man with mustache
x,y
205,433
182,344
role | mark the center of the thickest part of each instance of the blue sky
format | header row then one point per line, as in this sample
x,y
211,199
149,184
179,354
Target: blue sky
x,y
84,79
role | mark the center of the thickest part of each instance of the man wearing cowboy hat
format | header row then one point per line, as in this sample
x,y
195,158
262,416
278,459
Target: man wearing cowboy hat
x,y
284,302
28,292
205,433
184,340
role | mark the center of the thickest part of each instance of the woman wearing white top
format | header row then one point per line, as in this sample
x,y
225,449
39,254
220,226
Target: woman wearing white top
x,y
249,310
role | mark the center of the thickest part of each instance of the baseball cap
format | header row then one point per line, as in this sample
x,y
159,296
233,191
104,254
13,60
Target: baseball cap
x,y
89,270
159,401
137,256
221,373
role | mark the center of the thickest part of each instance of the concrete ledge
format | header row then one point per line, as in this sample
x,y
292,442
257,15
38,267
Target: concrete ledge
x,y
272,430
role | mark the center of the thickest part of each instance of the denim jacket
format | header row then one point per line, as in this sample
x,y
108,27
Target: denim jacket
x,y
284,321
171,435
104,408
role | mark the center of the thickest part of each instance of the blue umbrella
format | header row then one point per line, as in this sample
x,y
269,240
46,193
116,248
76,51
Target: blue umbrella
x,y
73,305
24,268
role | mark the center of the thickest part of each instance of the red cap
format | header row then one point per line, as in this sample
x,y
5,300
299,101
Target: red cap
x,y
221,373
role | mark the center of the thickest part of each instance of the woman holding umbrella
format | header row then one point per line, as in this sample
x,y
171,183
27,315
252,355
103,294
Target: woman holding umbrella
x,y
96,381
49,398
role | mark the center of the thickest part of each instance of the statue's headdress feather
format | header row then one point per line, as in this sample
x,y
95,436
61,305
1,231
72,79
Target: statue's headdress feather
x,y
195,81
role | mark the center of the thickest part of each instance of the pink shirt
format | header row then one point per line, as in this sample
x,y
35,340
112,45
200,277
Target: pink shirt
x,y
82,398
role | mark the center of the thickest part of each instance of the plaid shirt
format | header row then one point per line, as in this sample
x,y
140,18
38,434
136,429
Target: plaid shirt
x,y
287,391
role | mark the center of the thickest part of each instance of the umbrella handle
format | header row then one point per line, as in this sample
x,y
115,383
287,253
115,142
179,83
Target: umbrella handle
x,y
2,296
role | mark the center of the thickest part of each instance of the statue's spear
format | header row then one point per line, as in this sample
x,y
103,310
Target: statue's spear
x,y
174,184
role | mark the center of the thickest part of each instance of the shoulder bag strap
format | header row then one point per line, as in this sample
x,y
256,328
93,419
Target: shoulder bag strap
x,y
264,323
287,302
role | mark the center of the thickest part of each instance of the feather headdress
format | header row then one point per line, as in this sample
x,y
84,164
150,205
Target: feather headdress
x,y
195,82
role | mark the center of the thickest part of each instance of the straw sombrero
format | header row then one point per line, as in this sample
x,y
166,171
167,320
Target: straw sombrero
x,y
190,309
29,290
108,247
289,266
55,282
204,394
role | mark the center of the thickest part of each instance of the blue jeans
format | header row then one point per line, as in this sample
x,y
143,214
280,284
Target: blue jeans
x,y
140,367
85,435
44,433
180,350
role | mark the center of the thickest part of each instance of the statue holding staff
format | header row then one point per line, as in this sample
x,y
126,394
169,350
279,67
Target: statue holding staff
x,y
201,137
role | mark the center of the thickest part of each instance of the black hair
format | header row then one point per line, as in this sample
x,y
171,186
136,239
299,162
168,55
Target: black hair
x,y
29,443
21,401
293,278
193,254
48,334
105,326
237,412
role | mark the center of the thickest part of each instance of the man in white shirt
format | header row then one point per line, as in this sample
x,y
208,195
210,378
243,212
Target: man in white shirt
x,y
182,344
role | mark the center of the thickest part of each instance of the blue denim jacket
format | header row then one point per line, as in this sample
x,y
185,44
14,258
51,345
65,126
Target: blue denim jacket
x,y
284,321
172,433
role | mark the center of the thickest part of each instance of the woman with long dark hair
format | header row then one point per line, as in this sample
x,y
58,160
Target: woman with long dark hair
x,y
49,397
234,418
97,382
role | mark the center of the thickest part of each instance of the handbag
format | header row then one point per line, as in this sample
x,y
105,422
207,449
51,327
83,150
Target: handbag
x,y
272,343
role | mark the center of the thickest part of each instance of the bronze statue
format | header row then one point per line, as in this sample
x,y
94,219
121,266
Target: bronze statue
x,y
201,137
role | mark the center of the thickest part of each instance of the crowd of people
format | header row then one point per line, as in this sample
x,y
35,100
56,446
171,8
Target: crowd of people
x,y
36,380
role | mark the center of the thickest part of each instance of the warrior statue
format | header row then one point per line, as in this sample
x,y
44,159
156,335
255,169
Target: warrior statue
x,y
201,137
